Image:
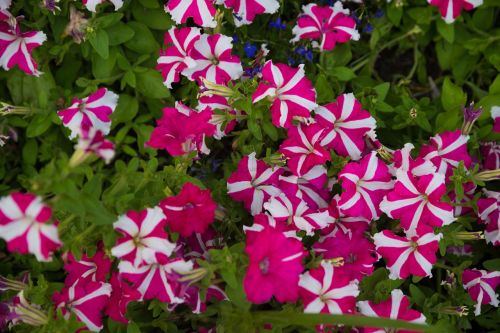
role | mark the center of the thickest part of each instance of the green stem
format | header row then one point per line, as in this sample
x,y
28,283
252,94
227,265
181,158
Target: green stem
x,y
311,319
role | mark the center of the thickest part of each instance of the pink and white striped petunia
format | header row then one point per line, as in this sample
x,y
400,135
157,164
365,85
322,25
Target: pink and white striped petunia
x,y
451,9
92,141
346,224
253,183
86,269
246,10
92,111
495,115
407,256
303,148
329,25
172,60
295,211
24,225
92,4
157,281
211,58
417,202
202,11
404,161
290,91
144,237
121,296
87,301
365,183
327,290
346,125
396,307
481,285
491,155
310,187
263,221
219,119
16,48
446,150
489,213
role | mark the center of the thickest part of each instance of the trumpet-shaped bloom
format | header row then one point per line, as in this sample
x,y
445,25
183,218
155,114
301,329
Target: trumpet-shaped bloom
x,y
344,223
451,9
346,124
294,211
156,281
202,11
92,141
86,269
407,256
417,202
290,91
92,4
327,289
303,148
121,296
219,119
329,25
446,150
87,301
275,263
481,285
352,249
310,187
396,307
489,213
246,10
92,111
211,58
172,60
24,225
253,183
182,130
192,210
196,302
491,155
403,161
144,238
364,183
16,48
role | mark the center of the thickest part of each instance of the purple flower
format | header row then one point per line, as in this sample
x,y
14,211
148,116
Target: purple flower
x,y
277,24
470,116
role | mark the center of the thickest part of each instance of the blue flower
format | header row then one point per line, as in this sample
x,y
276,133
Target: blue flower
x,y
236,39
277,24
379,13
250,49
305,53
368,28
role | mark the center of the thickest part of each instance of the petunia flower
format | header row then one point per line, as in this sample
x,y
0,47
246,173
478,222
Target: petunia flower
x,y
92,111
294,211
253,183
451,9
24,225
346,124
495,115
263,221
211,58
446,150
172,60
365,183
182,130
396,307
462,206
407,256
489,213
275,263
417,202
402,160
198,304
121,296
92,141
16,48
202,11
192,210
491,155
86,269
87,301
347,224
156,281
221,122
481,285
303,148
329,25
327,289
246,10
92,4
198,244
352,249
5,4
144,237
290,91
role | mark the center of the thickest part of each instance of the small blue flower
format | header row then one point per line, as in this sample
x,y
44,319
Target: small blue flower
x,y
277,24
300,50
368,28
236,39
309,55
379,13
291,61
250,49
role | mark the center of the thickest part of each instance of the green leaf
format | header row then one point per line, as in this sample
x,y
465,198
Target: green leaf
x,y
270,130
103,68
417,296
452,96
254,129
100,43
323,90
447,31
38,125
108,20
394,13
30,152
143,41
133,328
126,109
153,18
119,33
342,73
492,264
150,84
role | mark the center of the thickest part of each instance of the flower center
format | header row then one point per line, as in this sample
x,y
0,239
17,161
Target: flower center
x,y
264,265
351,258
81,107
215,61
189,206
